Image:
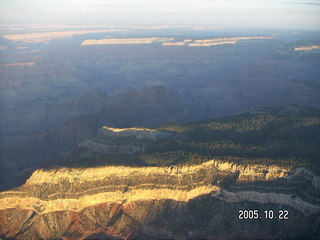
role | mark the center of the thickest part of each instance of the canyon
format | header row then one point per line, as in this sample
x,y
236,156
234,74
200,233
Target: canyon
x,y
143,188
158,133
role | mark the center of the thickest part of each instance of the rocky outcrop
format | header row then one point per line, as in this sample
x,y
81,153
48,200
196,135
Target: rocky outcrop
x,y
47,36
199,218
221,41
307,48
124,41
160,202
138,133
127,141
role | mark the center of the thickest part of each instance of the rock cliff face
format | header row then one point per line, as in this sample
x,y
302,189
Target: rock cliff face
x,y
189,181
194,201
138,133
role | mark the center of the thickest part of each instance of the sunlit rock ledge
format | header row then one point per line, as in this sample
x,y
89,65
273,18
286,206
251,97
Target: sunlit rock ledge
x,y
76,188
77,204
308,48
128,129
208,43
139,133
124,41
47,36
246,172
221,41
173,44
167,41
22,64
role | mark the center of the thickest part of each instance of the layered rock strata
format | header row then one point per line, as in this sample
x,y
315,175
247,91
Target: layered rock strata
x,y
119,201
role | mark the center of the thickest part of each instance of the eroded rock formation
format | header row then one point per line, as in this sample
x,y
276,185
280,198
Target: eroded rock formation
x,y
166,202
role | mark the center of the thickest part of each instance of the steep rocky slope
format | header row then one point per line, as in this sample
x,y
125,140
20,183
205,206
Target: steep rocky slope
x,y
186,180
165,202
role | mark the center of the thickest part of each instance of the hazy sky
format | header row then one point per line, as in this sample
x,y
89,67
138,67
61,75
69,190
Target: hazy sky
x,y
215,13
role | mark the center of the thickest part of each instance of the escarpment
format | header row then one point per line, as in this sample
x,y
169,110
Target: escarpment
x,y
122,201
180,181
74,189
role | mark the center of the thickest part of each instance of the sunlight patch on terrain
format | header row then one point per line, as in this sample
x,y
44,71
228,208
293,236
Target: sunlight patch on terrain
x,y
126,129
25,64
307,48
221,41
74,204
47,36
167,41
154,188
173,44
247,172
124,41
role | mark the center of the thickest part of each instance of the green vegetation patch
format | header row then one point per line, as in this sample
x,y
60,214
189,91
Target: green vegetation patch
x,y
284,136
288,136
